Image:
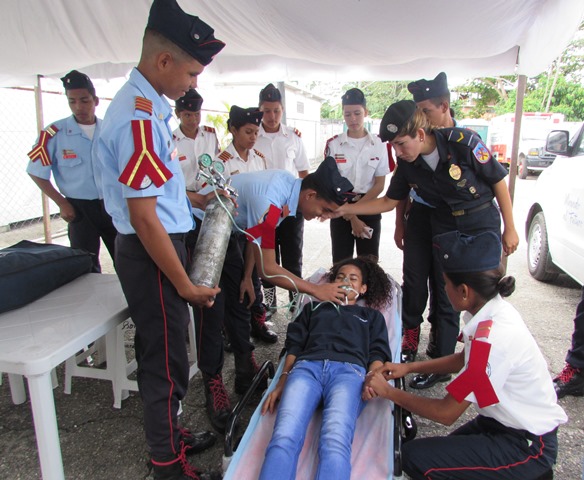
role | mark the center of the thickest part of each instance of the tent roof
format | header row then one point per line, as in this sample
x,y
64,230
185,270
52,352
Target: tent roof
x,y
299,39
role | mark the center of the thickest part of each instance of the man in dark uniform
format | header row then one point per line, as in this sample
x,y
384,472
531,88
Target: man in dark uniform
x,y
433,98
144,191
66,150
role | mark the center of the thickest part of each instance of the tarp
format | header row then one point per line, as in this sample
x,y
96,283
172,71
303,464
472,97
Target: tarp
x,y
298,39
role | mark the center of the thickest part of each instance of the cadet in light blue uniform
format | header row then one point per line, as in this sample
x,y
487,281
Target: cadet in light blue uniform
x,y
66,149
265,198
144,191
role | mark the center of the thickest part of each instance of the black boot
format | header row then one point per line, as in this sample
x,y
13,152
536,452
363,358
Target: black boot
x,y
245,369
177,468
259,329
216,401
196,442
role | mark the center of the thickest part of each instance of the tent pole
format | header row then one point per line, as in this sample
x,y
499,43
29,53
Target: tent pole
x,y
521,84
282,88
38,100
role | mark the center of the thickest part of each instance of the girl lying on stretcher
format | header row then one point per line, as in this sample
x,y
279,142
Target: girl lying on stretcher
x,y
329,350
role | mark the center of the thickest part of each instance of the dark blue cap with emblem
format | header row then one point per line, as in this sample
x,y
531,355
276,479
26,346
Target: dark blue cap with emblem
x,y
238,116
426,89
354,96
395,118
270,94
329,179
191,101
74,80
190,33
462,253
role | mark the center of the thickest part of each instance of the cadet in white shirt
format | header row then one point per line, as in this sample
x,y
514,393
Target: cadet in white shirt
x,y
191,139
363,159
284,150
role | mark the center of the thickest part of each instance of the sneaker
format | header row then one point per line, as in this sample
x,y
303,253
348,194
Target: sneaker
x,y
196,442
259,329
570,381
178,468
217,401
409,347
270,298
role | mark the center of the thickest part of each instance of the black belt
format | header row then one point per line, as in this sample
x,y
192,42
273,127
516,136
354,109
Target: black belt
x,y
468,211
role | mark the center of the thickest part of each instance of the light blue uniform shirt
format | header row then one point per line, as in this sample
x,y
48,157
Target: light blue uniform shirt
x,y
70,151
257,191
117,146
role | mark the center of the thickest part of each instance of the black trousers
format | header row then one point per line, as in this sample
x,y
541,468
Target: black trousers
x,y
575,355
91,223
161,317
482,449
227,311
289,243
344,243
423,275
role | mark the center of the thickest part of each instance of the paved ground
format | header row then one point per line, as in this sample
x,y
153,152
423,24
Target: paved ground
x,y
99,442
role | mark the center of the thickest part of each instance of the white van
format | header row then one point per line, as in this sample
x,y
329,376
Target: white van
x,y
555,222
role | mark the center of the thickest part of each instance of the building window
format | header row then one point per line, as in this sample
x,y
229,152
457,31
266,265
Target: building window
x,y
299,107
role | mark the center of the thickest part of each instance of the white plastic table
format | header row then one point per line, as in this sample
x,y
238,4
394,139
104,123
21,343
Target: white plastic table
x,y
37,337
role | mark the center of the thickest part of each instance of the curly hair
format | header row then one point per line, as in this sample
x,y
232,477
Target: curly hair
x,y
379,291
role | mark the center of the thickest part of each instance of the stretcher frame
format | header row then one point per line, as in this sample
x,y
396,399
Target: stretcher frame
x,y
392,424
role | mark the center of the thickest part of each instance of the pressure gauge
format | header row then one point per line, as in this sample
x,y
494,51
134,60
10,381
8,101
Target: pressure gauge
x,y
205,160
218,166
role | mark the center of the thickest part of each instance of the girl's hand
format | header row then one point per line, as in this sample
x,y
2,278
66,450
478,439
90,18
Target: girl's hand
x,y
274,397
393,370
375,386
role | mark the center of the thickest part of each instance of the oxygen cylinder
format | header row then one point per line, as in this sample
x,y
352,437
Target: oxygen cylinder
x,y
211,247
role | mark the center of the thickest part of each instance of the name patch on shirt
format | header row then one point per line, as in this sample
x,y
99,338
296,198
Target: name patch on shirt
x,y
69,154
340,158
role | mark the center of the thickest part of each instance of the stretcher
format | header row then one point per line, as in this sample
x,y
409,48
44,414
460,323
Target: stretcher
x,y
380,430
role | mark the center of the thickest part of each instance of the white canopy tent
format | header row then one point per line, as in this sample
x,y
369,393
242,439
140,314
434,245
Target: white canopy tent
x,y
300,39
277,40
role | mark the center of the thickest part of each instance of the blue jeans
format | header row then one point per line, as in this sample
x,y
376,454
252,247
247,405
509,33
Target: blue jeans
x,y
339,386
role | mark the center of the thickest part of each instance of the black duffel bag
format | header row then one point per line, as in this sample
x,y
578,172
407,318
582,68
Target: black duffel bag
x,y
29,270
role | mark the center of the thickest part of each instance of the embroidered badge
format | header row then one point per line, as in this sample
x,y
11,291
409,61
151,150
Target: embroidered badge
x,y
182,158
69,154
145,165
481,153
40,149
340,158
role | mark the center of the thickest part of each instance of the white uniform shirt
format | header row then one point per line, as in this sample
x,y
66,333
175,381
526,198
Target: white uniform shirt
x,y
516,369
359,167
189,150
284,150
234,164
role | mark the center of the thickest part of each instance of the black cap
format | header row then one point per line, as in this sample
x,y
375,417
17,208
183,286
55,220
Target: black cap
x,y
458,252
191,101
75,79
187,31
270,94
395,117
238,116
425,89
354,96
333,184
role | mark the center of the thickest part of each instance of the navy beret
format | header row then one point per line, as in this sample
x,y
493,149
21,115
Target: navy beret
x,y
458,252
191,101
238,116
190,33
425,89
354,96
270,94
329,179
75,79
395,117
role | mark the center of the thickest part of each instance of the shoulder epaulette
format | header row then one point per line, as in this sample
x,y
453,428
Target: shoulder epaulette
x,y
298,133
483,329
225,156
259,154
40,149
208,129
143,104
331,139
